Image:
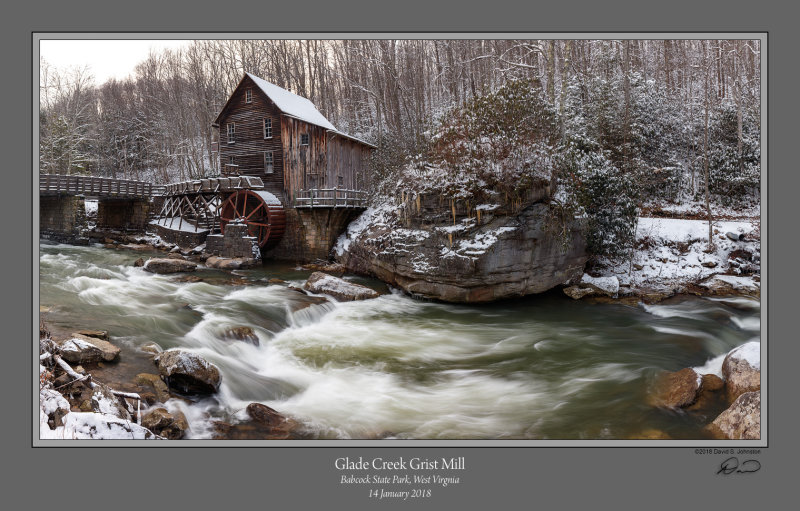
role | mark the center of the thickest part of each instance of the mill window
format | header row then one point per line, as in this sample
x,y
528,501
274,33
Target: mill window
x,y
304,139
231,133
269,162
267,128
248,96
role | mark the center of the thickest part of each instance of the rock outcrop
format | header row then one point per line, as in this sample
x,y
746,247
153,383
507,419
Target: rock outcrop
x,y
188,372
483,258
342,290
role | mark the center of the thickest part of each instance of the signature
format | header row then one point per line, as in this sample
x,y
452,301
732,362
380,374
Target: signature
x,y
732,465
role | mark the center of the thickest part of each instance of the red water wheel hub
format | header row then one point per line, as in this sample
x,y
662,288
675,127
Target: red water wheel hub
x,y
261,211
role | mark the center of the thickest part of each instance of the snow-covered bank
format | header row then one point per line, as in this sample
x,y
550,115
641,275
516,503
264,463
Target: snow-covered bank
x,y
671,254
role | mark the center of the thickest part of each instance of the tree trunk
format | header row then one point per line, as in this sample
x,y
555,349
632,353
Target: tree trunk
x,y
705,148
738,82
551,71
565,63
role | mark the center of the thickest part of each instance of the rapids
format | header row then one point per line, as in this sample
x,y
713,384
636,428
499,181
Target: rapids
x,y
542,367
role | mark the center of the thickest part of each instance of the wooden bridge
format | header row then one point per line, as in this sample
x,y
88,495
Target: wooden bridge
x,y
121,204
97,187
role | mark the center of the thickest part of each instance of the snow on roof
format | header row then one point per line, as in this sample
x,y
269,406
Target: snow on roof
x,y
292,104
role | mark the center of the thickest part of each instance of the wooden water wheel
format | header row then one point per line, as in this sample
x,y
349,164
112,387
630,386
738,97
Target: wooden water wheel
x,y
261,211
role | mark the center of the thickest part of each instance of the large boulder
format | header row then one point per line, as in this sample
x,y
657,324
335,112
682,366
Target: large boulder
x,y
322,283
675,390
508,253
188,372
82,349
742,369
742,421
166,265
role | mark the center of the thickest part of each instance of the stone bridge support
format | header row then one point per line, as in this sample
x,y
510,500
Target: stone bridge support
x,y
61,218
122,214
311,233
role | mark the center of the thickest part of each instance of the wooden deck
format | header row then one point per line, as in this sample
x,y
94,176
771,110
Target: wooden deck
x,y
100,187
331,198
214,185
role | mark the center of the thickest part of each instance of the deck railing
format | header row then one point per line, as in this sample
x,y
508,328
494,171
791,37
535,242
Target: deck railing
x,y
213,184
93,186
330,198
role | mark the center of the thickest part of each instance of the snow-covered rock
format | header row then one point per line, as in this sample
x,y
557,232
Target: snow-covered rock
x,y
322,283
671,255
188,372
53,406
730,284
82,349
742,421
104,401
95,426
742,369
608,286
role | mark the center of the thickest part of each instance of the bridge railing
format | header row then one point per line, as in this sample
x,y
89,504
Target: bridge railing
x,y
93,186
330,198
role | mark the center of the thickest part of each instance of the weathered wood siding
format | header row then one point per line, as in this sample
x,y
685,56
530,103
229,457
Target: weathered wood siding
x,y
304,165
349,160
250,144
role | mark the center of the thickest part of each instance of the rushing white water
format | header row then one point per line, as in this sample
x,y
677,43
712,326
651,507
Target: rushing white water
x,y
540,367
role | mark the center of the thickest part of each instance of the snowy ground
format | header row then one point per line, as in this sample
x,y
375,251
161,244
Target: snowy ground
x,y
176,224
673,252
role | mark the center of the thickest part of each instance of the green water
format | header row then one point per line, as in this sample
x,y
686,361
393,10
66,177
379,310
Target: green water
x,y
543,367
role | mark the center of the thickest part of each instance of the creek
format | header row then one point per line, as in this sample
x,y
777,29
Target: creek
x,y
541,367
